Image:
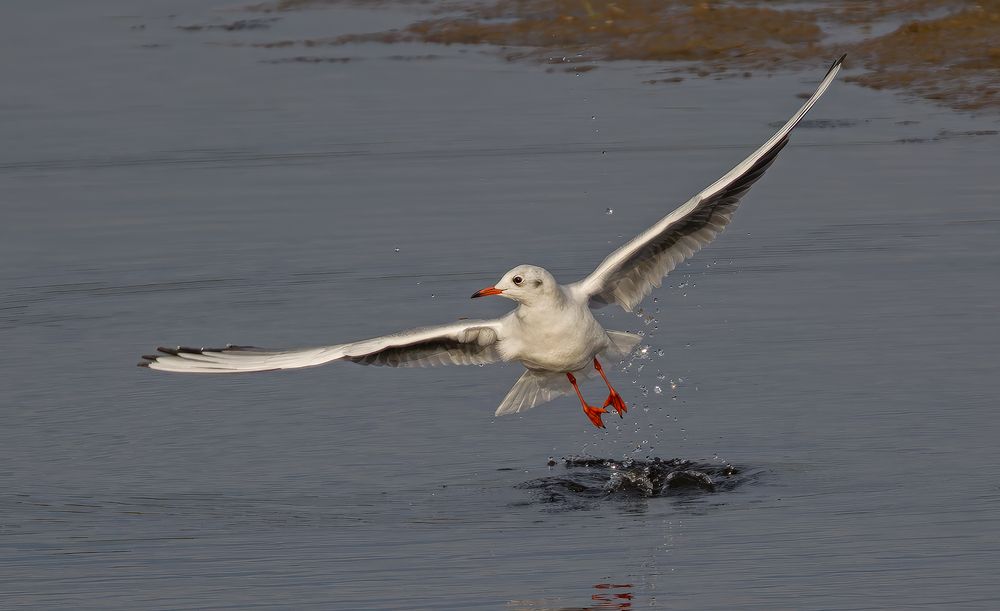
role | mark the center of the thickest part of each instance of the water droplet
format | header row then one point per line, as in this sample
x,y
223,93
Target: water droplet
x,y
609,211
595,117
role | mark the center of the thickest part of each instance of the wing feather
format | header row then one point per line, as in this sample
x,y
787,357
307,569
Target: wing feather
x,y
628,274
470,342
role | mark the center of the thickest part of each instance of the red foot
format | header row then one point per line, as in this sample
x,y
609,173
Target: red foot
x,y
615,400
594,413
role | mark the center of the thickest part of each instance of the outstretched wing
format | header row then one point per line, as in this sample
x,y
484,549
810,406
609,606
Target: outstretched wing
x,y
470,342
628,274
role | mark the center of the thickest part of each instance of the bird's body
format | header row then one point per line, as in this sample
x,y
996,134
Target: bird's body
x,y
552,332
555,333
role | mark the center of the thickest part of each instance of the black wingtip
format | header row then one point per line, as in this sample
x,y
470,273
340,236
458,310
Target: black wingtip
x,y
839,61
235,348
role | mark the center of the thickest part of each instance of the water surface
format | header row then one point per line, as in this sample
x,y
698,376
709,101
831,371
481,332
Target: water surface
x,y
836,347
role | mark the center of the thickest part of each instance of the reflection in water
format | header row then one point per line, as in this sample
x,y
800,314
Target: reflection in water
x,y
585,482
609,596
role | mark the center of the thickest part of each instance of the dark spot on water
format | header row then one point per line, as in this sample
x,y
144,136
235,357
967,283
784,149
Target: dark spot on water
x,y
278,44
948,135
975,132
587,481
308,59
672,79
413,58
235,26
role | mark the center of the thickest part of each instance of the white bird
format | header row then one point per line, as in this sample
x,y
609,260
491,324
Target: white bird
x,y
552,332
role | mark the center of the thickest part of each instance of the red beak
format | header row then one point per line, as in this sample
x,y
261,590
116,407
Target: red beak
x,y
492,290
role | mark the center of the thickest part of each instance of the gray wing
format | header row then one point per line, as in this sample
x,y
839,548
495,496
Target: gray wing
x,y
472,342
628,274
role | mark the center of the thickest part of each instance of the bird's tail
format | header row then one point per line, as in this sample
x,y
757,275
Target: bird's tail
x,y
622,344
534,388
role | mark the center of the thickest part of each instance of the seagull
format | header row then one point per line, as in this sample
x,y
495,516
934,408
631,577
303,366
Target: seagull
x,y
552,332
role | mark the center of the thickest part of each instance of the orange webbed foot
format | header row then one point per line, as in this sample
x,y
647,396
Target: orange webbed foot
x,y
615,400
594,413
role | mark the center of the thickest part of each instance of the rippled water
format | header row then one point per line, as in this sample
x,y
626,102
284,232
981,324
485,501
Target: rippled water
x,y
826,409
587,482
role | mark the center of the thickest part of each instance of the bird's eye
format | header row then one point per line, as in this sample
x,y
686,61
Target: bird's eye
x,y
518,280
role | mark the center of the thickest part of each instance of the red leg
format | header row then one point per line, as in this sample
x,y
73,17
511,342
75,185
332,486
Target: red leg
x,y
614,399
594,413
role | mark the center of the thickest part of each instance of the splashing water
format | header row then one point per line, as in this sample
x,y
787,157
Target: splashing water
x,y
585,482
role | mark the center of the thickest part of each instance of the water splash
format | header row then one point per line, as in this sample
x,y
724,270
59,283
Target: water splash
x,y
584,482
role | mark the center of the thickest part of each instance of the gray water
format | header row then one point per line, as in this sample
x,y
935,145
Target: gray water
x,y
830,362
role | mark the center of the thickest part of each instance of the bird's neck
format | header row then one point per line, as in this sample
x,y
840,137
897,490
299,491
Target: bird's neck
x,y
542,305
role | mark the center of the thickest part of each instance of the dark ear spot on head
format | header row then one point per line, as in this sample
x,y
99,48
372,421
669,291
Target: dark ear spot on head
x,y
538,283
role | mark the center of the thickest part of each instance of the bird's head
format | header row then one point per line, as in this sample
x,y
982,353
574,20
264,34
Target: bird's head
x,y
524,284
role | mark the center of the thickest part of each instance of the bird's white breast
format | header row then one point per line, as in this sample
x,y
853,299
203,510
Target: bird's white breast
x,y
554,339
